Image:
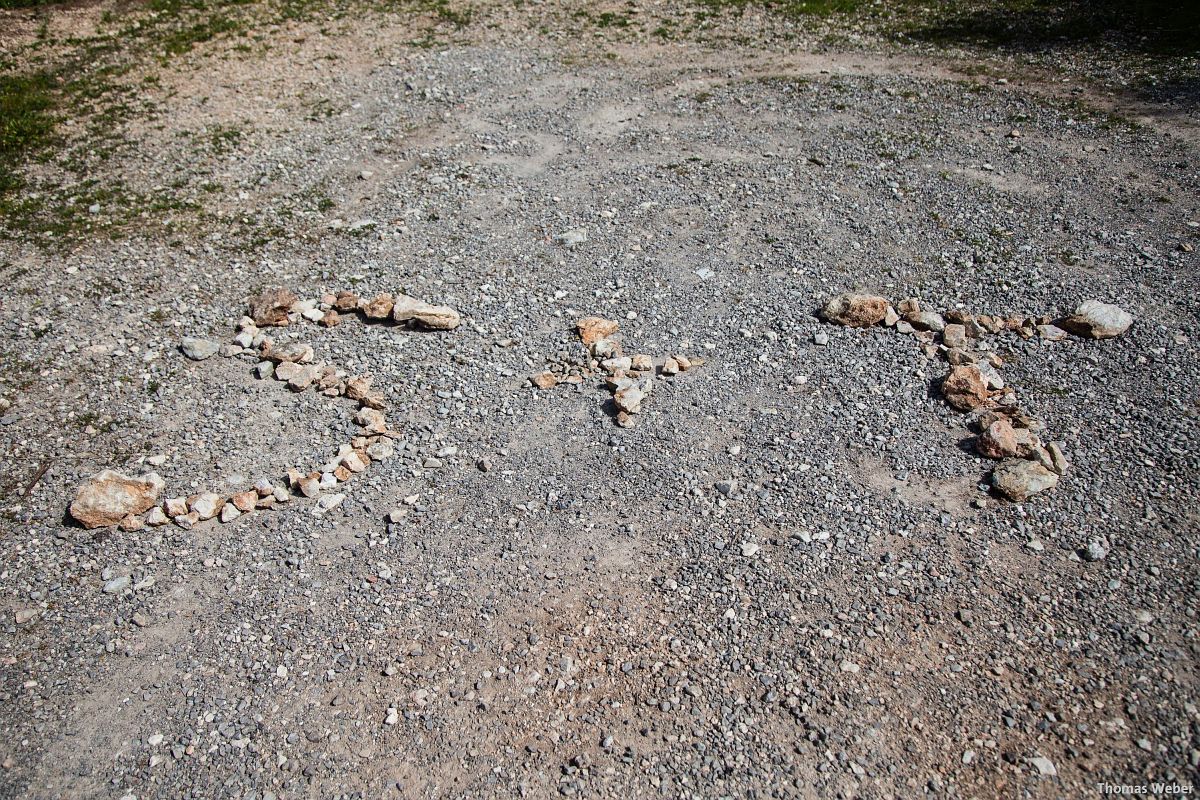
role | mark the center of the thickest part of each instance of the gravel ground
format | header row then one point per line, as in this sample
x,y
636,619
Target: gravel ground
x,y
788,579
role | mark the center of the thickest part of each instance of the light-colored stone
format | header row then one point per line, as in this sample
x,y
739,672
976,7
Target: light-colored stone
x,y
381,450
622,363
630,394
134,522
641,363
1058,459
230,512
926,321
207,505
356,461
298,352
156,517
1051,333
1096,320
309,486
287,370
373,420
327,503
855,310
198,349
1018,479
175,506
438,318
378,307
108,497
303,378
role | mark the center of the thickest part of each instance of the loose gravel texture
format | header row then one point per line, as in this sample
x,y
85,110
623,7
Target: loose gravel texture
x,y
788,580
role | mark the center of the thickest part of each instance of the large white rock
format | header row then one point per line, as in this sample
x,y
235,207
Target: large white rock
x,y
108,497
1097,320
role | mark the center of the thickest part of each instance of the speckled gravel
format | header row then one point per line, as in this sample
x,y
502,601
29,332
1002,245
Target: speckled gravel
x,y
788,580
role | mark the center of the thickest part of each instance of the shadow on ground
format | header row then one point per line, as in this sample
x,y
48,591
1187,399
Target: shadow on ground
x,y
1154,28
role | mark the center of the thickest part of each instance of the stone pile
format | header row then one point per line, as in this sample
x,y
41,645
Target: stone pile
x,y
109,498
1026,465
629,378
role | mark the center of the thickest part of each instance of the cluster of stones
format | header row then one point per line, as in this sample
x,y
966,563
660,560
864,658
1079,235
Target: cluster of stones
x,y
1026,465
629,378
110,498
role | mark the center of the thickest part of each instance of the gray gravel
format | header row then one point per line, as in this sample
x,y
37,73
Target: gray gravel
x,y
789,579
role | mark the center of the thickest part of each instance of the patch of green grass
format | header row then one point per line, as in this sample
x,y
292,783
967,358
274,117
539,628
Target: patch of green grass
x,y
26,123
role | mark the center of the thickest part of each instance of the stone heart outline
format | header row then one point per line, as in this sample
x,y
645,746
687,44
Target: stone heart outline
x,y
110,498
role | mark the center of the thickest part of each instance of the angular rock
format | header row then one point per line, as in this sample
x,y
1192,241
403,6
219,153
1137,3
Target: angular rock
x,y
327,503
544,380
623,363
1096,320
641,363
998,441
295,352
1051,333
230,512
207,505
438,318
309,486
955,336
855,310
358,387
134,522
926,321
355,461
593,329
372,420
346,301
198,349
271,307
1058,459
245,501
175,506
630,394
155,517
330,319
964,388
378,307
1018,479
287,370
108,497
381,450
303,378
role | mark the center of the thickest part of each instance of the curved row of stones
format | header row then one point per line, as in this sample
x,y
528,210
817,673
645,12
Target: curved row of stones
x,y
629,378
1006,434
110,498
